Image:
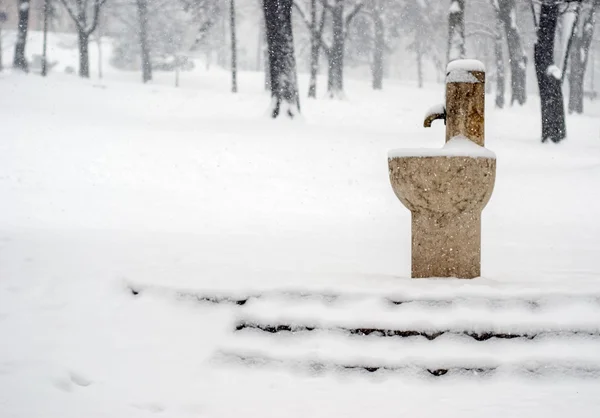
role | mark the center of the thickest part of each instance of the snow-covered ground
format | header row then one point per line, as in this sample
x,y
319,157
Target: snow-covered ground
x,y
109,183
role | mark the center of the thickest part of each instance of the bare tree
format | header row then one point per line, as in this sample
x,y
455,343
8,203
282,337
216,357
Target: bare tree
x,y
158,35
282,63
506,10
206,14
340,21
99,45
85,15
45,41
376,11
456,30
500,70
582,39
316,26
571,29
548,74
335,53
262,56
1,53
19,61
233,46
424,21
142,7
316,33
419,56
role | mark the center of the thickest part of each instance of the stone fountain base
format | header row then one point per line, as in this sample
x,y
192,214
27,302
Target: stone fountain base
x,y
446,195
446,246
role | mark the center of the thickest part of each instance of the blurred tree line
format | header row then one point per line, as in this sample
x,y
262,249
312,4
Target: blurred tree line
x,y
522,42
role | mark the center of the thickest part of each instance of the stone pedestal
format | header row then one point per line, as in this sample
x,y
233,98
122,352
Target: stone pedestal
x,y
446,246
445,195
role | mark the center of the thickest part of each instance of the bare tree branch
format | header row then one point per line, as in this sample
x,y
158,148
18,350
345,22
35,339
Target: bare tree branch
x,y
353,13
302,15
71,13
77,16
326,4
322,23
309,25
97,5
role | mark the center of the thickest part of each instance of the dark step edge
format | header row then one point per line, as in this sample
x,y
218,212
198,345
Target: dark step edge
x,y
198,297
232,300
317,365
532,303
380,332
323,366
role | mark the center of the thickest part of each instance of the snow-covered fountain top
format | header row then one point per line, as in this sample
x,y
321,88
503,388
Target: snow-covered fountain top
x,y
459,146
464,109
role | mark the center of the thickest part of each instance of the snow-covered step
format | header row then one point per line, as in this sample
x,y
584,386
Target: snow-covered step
x,y
576,355
377,316
428,296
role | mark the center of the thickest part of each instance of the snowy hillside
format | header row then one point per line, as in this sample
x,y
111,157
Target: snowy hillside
x,y
111,185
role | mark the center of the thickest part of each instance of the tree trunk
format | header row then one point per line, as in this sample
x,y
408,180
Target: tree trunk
x,y
315,47
222,39
548,76
267,69
379,45
420,63
330,75
45,41
500,77
264,51
483,49
582,40
507,13
84,55
335,84
592,73
282,63
1,64
99,45
314,71
259,49
456,30
143,21
19,61
232,29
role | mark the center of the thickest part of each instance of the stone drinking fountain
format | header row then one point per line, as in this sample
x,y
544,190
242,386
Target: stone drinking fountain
x,y
446,189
